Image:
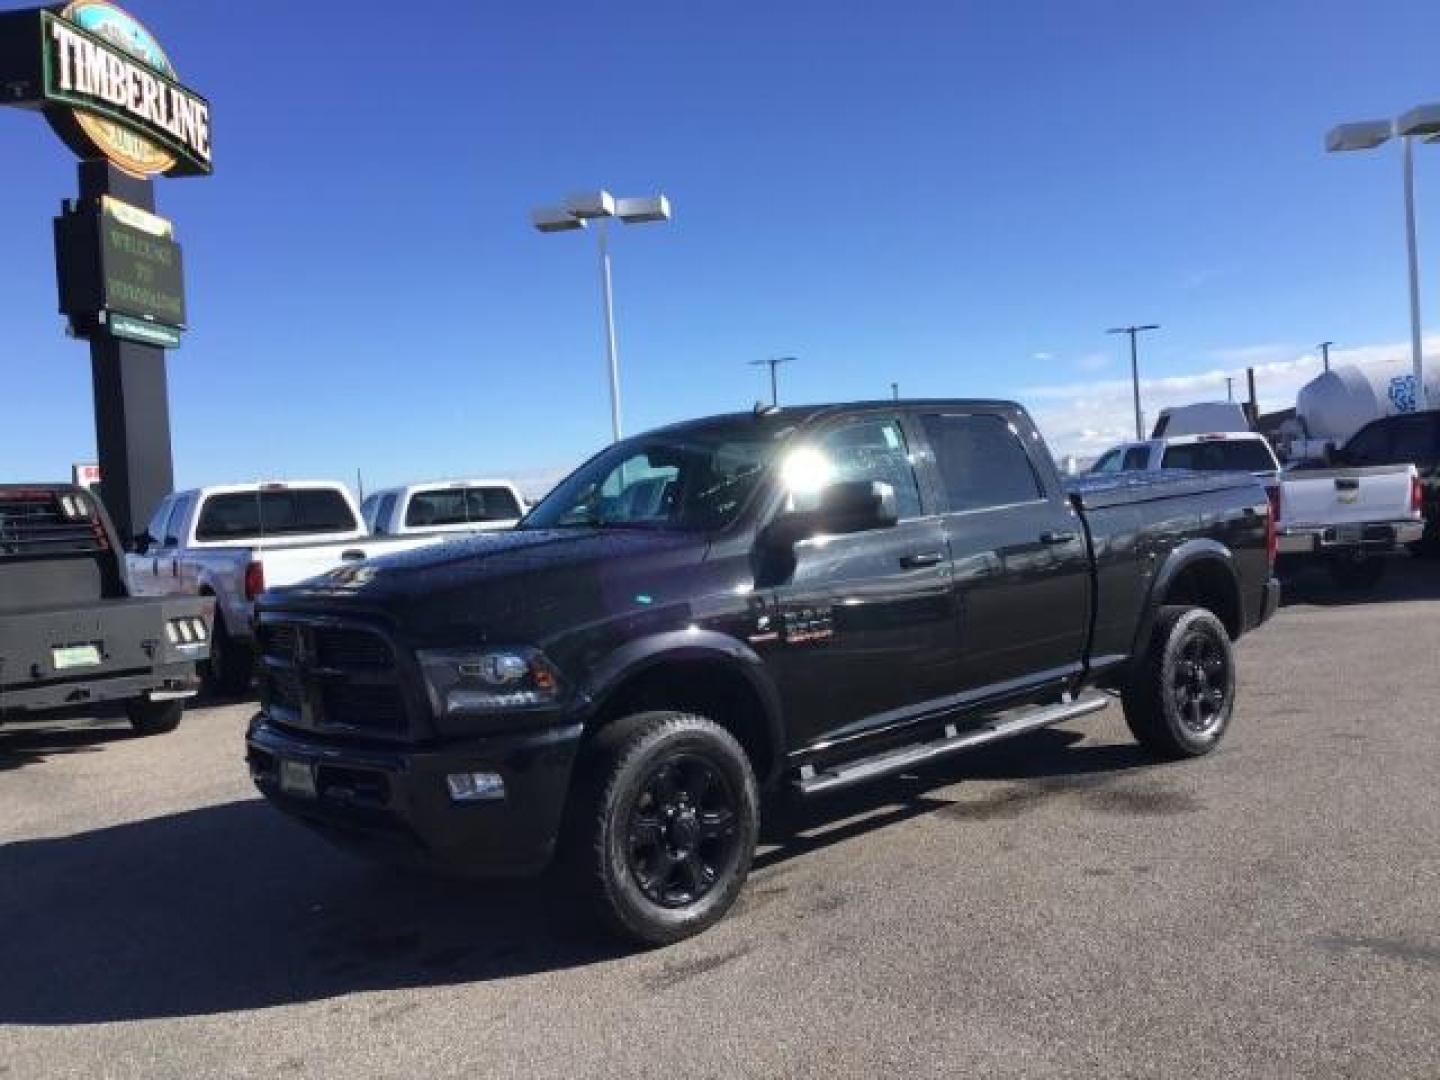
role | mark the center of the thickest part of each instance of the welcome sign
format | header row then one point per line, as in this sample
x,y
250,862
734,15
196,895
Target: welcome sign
x,y
107,88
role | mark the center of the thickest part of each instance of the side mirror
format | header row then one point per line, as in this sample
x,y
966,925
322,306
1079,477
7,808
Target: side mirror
x,y
849,506
141,542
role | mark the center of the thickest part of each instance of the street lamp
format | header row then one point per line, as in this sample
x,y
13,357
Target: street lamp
x,y
774,362
600,206
1134,332
1421,122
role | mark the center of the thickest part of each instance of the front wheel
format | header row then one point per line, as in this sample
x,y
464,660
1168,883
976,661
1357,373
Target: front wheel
x,y
664,826
154,717
1180,699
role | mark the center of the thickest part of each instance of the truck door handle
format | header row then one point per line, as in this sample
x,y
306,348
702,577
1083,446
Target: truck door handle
x,y
1057,536
352,555
921,559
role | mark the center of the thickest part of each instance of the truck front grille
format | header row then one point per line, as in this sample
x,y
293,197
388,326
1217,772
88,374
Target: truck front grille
x,y
328,678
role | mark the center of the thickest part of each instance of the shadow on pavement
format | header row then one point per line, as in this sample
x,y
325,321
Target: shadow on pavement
x,y
1406,578
31,743
234,907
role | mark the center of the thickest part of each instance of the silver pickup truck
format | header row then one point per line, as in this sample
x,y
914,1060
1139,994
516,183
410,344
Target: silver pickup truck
x,y
234,541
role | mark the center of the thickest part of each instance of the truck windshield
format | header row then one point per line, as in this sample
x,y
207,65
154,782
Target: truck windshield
x,y
253,515
693,479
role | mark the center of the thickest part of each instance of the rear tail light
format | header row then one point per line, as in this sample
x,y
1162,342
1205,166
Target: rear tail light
x,y
254,580
1417,496
1272,523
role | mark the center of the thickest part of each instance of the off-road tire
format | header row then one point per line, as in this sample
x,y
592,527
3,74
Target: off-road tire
x,y
154,717
1161,698
616,801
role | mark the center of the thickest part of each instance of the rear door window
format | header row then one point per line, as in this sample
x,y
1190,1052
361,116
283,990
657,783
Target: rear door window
x,y
982,462
250,515
1221,455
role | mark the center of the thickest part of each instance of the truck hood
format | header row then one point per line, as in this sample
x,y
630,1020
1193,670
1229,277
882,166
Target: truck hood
x,y
518,586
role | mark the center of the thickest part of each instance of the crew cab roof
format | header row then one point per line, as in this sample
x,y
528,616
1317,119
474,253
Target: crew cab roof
x,y
802,415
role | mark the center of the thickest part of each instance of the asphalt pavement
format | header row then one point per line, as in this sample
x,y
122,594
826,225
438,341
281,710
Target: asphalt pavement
x,y
1057,906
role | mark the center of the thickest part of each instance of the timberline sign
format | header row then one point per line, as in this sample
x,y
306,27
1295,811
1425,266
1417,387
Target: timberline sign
x,y
106,86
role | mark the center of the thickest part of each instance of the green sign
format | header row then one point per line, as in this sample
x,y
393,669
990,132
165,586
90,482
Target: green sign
x,y
141,273
147,333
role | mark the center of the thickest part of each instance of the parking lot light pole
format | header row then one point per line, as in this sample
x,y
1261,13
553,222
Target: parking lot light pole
x,y
1421,122
600,206
1134,332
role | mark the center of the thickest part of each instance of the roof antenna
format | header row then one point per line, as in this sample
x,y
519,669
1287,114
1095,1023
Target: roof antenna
x,y
764,409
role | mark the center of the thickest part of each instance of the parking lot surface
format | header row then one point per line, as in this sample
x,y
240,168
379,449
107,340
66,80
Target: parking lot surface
x,y
1057,906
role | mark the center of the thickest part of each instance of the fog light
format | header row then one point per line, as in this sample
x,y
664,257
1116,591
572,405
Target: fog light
x,y
475,786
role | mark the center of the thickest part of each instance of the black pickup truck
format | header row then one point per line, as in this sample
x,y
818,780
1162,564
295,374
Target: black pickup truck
x,y
71,638
778,603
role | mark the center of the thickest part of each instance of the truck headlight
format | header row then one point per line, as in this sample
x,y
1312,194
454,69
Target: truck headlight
x,y
462,681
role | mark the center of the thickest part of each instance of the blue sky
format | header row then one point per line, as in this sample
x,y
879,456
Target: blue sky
x,y
957,196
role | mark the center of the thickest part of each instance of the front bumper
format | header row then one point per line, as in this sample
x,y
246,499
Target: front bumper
x,y
1375,536
393,802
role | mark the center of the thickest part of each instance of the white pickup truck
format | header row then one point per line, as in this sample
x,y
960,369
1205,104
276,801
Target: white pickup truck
x,y
444,506
234,541
1348,518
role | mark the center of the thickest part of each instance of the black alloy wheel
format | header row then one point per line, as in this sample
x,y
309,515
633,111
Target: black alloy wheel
x,y
662,826
1201,683
1181,694
682,831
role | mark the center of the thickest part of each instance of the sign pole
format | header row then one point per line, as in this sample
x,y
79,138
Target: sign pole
x,y
132,411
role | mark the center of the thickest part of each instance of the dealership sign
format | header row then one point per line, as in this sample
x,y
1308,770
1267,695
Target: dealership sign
x,y
106,86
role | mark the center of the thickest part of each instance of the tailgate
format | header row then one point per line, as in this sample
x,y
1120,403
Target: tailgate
x,y
98,640
1346,496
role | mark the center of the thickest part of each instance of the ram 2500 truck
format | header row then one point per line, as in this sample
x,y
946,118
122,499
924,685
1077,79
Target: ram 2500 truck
x,y
782,603
71,637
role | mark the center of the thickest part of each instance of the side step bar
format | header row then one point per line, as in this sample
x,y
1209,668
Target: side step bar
x,y
1003,725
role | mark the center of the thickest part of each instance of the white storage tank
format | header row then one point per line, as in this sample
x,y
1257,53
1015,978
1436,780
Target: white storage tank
x,y
1338,403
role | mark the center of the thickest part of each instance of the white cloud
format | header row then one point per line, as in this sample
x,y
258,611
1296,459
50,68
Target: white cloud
x,y
1084,418
1095,361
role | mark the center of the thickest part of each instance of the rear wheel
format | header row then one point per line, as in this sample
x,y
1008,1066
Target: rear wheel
x,y
1356,571
154,717
1179,703
231,665
664,825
